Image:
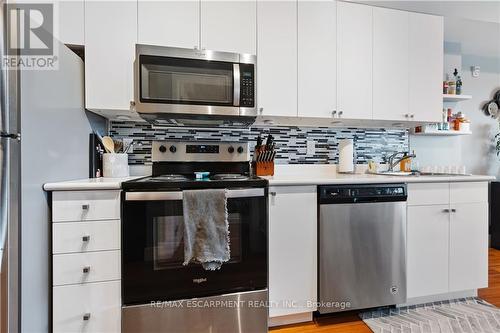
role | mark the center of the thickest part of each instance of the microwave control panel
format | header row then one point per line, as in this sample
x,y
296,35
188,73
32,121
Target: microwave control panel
x,y
247,85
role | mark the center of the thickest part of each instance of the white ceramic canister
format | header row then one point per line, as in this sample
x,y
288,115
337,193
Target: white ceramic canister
x,y
346,155
115,165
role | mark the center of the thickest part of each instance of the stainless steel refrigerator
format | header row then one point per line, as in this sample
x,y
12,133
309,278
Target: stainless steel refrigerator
x,y
45,132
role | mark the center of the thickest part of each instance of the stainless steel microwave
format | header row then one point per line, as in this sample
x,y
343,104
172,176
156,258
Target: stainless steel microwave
x,y
198,85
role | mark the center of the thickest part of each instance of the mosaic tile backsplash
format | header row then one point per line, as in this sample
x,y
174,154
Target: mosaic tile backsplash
x,y
291,142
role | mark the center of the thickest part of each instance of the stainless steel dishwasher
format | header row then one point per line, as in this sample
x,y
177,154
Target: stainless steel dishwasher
x,y
362,246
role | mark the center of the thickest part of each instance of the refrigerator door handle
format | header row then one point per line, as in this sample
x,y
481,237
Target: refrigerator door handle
x,y
4,153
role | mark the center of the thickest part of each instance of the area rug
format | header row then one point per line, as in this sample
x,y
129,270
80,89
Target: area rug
x,y
465,315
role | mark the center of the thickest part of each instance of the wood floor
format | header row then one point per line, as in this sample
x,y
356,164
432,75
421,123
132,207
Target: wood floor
x,y
350,323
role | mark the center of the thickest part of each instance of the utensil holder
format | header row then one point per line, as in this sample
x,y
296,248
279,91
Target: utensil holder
x,y
264,168
115,165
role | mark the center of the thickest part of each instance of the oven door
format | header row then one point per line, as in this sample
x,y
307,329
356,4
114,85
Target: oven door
x,y
153,248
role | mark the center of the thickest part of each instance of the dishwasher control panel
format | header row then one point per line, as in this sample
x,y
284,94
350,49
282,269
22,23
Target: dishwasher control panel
x,y
362,193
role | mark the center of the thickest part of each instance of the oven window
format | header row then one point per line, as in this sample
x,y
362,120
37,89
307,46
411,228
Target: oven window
x,y
186,81
168,245
153,252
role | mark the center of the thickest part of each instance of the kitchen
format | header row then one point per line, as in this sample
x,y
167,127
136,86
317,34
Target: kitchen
x,y
284,119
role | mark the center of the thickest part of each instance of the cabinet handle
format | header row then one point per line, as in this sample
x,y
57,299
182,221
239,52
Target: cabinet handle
x,y
86,207
446,210
86,316
334,112
341,113
273,194
261,110
407,115
453,210
132,103
85,238
412,116
86,269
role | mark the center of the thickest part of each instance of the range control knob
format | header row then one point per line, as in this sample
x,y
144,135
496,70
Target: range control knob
x,y
173,149
230,149
163,149
240,149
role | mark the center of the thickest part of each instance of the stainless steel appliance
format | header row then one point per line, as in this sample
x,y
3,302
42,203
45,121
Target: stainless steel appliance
x,y
362,246
38,108
153,250
177,86
10,193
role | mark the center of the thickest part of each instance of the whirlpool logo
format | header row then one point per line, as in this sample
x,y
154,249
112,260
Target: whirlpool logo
x,y
200,280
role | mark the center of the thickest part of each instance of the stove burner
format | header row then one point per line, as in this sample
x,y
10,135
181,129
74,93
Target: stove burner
x,y
229,176
169,178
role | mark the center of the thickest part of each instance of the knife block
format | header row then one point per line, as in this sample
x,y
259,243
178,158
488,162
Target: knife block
x,y
264,168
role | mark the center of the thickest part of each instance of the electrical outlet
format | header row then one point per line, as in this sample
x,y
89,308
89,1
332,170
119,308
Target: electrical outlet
x,y
476,70
311,147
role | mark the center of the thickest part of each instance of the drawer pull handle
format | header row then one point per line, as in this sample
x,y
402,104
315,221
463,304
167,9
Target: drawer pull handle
x,y
86,316
86,269
446,210
273,194
85,207
453,210
85,238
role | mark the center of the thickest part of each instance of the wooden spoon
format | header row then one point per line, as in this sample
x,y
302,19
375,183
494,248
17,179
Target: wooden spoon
x,y
109,144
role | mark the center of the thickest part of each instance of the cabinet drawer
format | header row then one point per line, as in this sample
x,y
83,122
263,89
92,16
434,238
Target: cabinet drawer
x,y
100,301
71,237
85,267
428,194
85,205
468,192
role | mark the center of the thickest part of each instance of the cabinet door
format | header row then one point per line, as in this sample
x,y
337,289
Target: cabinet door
x,y
354,60
390,64
109,54
292,248
317,64
277,58
71,22
229,26
426,67
469,246
169,23
427,250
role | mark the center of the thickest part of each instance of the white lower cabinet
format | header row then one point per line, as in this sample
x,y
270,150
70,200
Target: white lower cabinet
x,y
447,243
427,246
292,250
469,246
86,261
91,307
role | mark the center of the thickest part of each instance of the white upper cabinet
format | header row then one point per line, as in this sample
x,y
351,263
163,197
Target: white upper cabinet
x,y
277,58
390,64
317,59
354,60
426,67
229,26
169,23
71,22
109,54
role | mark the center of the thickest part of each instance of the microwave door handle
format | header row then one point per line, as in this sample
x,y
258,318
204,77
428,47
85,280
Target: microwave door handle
x,y
236,82
172,196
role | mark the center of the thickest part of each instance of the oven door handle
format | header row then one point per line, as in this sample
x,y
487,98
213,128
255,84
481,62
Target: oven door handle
x,y
236,83
177,195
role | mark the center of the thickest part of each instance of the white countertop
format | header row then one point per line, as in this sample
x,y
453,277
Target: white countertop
x,y
286,175
88,184
327,174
